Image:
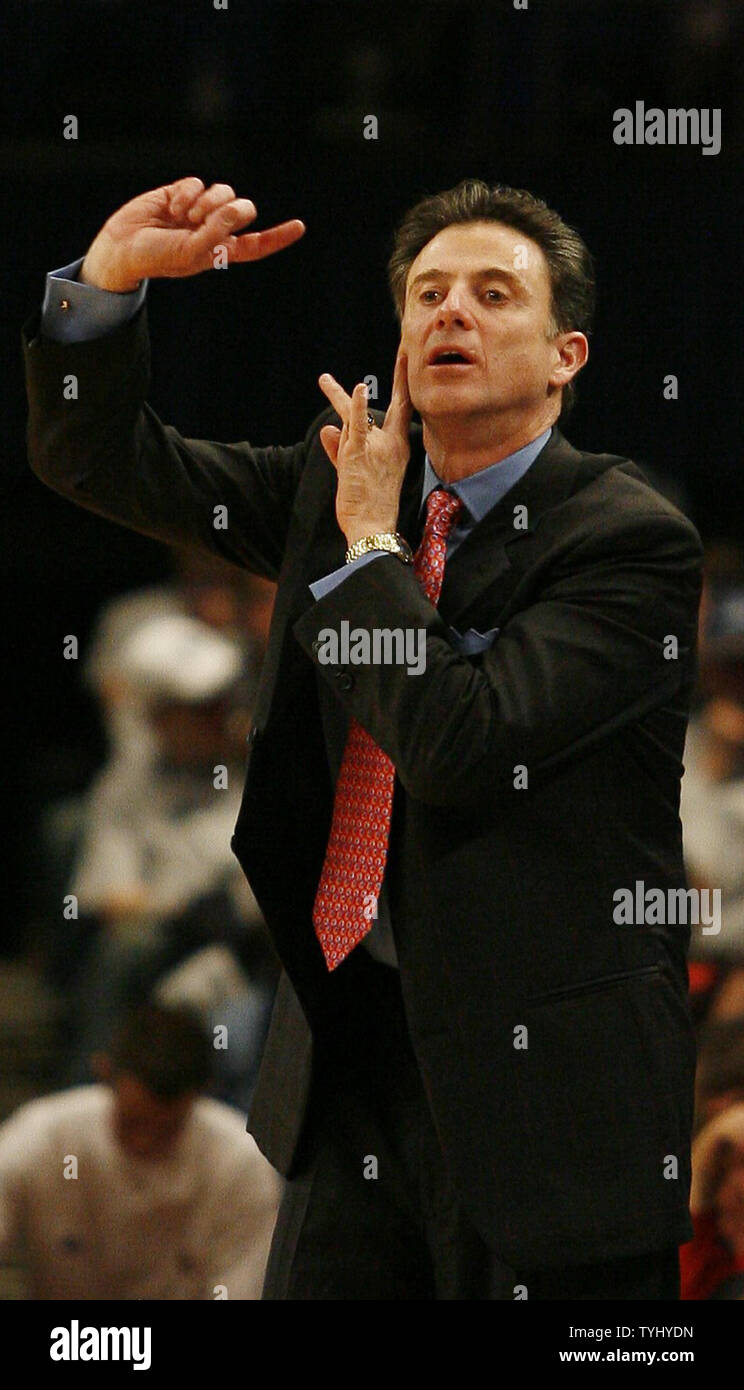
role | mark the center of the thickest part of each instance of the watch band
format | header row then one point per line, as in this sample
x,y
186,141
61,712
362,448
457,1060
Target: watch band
x,y
391,541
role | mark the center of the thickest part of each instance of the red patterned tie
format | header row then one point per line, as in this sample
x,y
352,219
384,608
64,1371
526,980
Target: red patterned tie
x,y
354,865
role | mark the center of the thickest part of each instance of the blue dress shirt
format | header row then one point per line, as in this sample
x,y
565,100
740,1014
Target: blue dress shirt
x,y
74,313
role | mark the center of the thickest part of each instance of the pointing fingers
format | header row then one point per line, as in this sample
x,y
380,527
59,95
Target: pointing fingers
x,y
338,398
358,425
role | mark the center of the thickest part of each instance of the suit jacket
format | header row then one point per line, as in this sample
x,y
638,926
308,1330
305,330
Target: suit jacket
x,y
533,780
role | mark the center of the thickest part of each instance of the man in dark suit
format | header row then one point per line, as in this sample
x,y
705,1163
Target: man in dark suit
x,y
478,1079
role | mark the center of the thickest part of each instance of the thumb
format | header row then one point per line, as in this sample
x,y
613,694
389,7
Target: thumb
x,y
330,437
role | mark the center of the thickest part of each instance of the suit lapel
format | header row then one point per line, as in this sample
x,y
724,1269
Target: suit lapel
x,y
502,546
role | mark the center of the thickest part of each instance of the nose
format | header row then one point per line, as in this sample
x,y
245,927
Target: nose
x,y
454,308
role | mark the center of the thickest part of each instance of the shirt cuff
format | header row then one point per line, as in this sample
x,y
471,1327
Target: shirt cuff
x,y
75,313
323,586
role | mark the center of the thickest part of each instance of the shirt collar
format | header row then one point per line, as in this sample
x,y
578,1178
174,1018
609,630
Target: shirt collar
x,y
481,491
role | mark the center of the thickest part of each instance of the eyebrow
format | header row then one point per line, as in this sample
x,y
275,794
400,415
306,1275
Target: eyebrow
x,y
491,272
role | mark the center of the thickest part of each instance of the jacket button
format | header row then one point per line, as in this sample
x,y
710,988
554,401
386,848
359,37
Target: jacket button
x,y
316,645
252,736
345,679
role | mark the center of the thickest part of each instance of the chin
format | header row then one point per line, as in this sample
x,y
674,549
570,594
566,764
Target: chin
x,y
446,401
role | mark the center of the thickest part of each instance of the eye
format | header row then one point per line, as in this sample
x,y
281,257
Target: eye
x,y
495,295
426,293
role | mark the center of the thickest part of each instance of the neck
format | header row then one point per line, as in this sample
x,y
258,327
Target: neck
x,y
460,446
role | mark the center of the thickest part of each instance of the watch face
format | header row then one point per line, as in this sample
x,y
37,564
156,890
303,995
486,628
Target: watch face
x,y
405,550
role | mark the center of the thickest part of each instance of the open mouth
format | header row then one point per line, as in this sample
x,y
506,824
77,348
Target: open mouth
x,y
450,358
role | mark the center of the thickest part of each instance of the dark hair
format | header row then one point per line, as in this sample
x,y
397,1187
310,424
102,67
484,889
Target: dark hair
x,y
167,1049
570,265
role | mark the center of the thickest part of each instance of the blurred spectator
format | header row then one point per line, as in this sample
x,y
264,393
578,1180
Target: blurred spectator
x,y
712,795
229,999
235,602
138,1188
712,1263
239,605
155,878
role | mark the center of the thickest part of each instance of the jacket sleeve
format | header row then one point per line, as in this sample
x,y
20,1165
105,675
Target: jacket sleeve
x,y
93,438
590,654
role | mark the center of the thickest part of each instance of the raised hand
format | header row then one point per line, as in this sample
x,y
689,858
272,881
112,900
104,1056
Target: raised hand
x,y
370,463
173,231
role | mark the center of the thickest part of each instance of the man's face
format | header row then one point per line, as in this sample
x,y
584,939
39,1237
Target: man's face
x,y
145,1126
483,289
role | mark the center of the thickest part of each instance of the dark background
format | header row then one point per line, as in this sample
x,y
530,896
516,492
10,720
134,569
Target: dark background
x,y
270,97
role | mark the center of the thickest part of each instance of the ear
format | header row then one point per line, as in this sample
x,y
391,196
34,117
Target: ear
x,y
571,354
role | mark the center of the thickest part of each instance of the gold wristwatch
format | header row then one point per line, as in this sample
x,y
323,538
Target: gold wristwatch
x,y
391,541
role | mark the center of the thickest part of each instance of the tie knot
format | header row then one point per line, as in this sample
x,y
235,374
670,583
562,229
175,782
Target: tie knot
x,y
442,508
